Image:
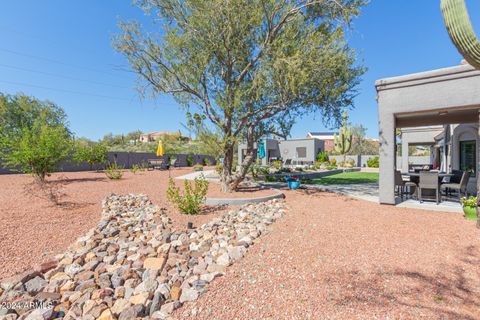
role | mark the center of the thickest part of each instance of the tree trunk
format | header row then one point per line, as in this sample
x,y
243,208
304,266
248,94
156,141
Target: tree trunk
x,y
226,175
229,180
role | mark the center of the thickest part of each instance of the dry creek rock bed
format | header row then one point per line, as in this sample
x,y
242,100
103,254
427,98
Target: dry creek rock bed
x,y
134,264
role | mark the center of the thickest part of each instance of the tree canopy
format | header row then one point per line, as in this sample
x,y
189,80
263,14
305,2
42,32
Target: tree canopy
x,y
34,136
251,67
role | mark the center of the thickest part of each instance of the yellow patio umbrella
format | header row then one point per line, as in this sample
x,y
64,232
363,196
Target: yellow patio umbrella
x,y
160,150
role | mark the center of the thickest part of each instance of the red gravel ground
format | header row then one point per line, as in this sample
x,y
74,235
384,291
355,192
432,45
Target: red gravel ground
x,y
332,257
32,229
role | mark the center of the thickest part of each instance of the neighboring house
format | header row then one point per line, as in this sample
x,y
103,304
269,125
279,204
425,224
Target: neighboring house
x,y
155,136
298,151
326,137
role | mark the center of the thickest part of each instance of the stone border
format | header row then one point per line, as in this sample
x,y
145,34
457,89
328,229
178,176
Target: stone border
x,y
241,201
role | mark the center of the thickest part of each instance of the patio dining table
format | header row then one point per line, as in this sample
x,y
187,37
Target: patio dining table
x,y
415,176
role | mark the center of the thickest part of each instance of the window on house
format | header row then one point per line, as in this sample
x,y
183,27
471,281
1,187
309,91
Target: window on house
x,y
301,152
467,156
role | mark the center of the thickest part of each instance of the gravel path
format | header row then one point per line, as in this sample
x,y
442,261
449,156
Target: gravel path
x,y
32,229
332,257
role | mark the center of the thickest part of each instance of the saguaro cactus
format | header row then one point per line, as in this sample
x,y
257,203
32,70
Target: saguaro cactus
x,y
461,32
343,141
460,29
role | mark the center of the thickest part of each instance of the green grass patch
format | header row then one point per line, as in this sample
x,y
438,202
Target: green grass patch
x,y
348,178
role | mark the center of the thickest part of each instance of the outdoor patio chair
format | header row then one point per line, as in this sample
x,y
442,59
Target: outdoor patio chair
x,y
404,188
459,188
429,181
287,162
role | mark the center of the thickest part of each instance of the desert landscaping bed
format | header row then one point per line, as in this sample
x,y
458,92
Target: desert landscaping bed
x,y
330,256
135,264
33,229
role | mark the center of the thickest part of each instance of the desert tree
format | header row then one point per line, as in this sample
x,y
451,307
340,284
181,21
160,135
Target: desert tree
x,y
34,135
251,67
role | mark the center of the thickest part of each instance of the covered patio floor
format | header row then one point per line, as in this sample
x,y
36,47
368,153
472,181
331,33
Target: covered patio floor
x,y
370,192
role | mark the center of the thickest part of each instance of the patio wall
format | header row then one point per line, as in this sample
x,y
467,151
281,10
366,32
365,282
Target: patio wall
x,y
414,160
360,160
126,160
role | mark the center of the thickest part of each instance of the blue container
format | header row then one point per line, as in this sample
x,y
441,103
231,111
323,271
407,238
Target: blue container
x,y
293,185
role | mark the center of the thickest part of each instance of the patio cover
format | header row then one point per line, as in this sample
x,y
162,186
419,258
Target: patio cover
x,y
438,97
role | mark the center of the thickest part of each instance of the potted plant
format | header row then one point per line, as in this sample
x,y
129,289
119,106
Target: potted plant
x,y
469,207
198,167
293,182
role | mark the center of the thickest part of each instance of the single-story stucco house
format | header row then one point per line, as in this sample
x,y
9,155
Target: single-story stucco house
x,y
439,108
327,137
298,151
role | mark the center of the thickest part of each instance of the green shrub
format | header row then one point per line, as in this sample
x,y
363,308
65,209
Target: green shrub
x,y
143,166
219,168
114,171
254,171
206,162
331,167
198,167
95,153
34,135
192,198
322,157
469,202
373,162
135,168
39,150
277,164
333,161
189,160
270,179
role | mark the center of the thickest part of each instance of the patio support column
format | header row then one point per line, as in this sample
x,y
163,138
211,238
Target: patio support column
x,y
478,170
387,156
405,146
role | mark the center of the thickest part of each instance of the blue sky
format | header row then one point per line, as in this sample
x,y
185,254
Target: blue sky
x,y
61,51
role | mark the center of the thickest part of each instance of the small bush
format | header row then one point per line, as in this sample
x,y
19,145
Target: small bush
x,y
270,179
219,168
331,167
333,161
254,171
135,168
114,171
198,167
373,162
192,198
95,153
189,160
469,202
322,157
143,166
206,162
277,164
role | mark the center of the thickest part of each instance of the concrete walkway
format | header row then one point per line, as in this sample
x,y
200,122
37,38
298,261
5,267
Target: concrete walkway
x,y
210,175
